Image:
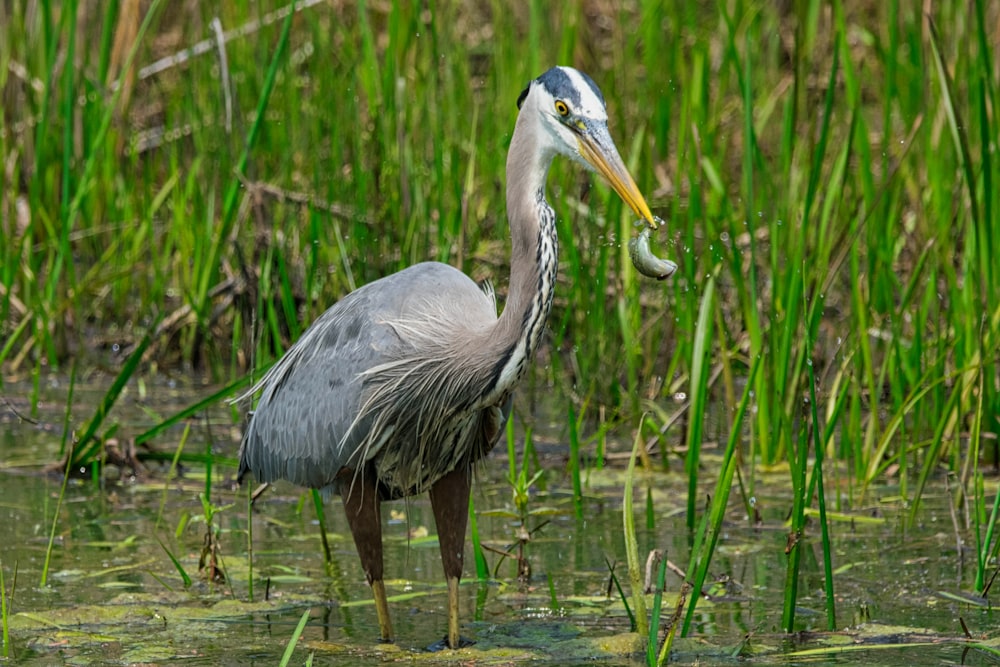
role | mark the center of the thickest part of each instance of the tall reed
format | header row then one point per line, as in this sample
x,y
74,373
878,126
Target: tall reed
x,y
6,602
344,177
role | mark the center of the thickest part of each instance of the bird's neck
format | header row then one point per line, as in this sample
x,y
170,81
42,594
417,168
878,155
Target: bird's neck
x,y
534,261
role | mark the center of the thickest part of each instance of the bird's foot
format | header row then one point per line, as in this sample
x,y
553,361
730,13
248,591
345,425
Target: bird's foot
x,y
443,644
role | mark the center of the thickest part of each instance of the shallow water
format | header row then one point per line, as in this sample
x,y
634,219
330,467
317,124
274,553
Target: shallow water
x,y
113,594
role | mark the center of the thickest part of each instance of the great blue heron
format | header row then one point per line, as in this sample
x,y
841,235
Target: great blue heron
x,y
402,385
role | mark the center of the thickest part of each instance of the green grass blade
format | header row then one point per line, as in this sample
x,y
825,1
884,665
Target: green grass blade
x,y
294,639
14,336
703,550
55,521
169,477
194,408
317,499
230,207
831,613
632,544
955,123
5,606
982,542
185,577
482,568
793,549
4,614
249,509
699,394
654,626
89,446
86,180
574,463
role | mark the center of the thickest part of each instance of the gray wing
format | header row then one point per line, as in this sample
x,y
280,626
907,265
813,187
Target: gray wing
x,y
304,427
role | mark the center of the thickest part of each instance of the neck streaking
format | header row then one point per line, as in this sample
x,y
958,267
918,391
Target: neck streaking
x,y
534,261
527,312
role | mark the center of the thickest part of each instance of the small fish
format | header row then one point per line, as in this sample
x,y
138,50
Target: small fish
x,y
645,261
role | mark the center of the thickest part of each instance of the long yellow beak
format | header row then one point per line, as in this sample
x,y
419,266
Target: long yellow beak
x,y
598,149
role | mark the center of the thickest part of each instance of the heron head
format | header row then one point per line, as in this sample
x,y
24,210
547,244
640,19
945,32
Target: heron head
x,y
574,122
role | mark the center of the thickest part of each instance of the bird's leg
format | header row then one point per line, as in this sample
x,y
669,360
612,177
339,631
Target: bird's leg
x,y
450,502
361,504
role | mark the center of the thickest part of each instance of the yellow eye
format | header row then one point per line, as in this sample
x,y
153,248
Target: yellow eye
x,y
561,108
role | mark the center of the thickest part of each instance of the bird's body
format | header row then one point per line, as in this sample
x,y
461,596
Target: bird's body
x,y
354,362
405,383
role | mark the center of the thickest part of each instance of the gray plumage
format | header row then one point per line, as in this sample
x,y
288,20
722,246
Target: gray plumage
x,y
346,394
405,383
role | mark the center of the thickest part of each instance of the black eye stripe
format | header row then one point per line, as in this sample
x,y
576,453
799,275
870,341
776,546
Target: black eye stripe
x,y
559,84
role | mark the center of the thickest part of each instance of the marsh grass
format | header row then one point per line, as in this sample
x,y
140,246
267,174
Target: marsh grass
x,y
6,603
66,468
181,571
479,557
817,490
638,614
826,171
250,550
699,394
652,640
286,657
710,527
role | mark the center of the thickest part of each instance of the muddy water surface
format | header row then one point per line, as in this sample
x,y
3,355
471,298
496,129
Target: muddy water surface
x,y
113,594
